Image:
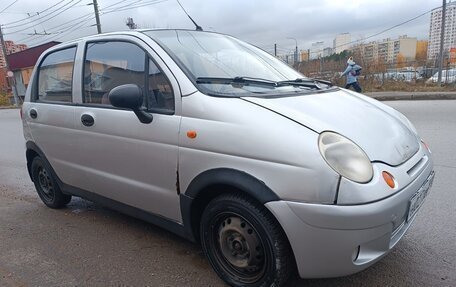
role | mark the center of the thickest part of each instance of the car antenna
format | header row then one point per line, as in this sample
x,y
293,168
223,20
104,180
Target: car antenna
x,y
198,27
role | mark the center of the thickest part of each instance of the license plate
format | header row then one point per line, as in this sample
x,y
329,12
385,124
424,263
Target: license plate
x,y
418,198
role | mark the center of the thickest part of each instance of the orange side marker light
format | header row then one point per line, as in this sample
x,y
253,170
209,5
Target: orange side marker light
x,y
191,134
389,179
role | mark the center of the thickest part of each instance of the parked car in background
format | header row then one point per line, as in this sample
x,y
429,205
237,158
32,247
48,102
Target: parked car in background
x,y
223,144
400,76
448,77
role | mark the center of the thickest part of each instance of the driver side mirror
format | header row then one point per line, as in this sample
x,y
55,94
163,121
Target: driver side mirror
x,y
130,96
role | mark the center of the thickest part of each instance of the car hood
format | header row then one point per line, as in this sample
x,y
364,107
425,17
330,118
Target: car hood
x,y
382,132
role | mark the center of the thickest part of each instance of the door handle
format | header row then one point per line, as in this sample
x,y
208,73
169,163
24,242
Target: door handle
x,y
87,120
33,114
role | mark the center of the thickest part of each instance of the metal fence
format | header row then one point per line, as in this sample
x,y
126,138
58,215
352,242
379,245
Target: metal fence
x,y
411,73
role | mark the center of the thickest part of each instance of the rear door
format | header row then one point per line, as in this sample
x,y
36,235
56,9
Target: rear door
x,y
50,112
116,155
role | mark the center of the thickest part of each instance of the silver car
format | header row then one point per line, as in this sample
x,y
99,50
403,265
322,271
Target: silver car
x,y
223,144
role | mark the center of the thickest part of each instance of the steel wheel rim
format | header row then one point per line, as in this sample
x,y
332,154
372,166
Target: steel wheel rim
x,y
238,248
45,184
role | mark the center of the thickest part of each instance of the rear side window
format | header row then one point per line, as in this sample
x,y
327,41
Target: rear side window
x,y
55,76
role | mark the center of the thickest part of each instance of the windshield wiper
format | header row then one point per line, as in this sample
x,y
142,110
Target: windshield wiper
x,y
241,81
306,82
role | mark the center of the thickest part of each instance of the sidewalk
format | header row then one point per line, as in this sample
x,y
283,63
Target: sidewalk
x,y
408,96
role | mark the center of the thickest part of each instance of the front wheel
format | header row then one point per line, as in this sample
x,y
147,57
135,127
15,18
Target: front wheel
x,y
244,243
46,185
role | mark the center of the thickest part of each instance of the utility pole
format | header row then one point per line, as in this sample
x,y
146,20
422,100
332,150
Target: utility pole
x,y
275,50
442,40
296,50
13,83
97,15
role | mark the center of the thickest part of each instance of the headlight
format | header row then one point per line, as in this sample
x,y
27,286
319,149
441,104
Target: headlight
x,y
345,157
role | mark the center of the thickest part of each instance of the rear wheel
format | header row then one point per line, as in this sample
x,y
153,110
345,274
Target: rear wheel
x,y
244,243
46,185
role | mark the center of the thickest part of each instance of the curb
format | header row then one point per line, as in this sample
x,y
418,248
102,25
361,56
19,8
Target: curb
x,y
413,97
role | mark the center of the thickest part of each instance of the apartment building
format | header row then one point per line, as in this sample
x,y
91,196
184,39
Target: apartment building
x,y
341,42
388,50
316,50
434,30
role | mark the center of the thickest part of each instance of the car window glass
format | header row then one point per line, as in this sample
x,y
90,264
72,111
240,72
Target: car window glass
x,y
55,76
160,94
111,64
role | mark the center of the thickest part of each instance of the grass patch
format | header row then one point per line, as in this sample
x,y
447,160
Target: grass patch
x,y
4,100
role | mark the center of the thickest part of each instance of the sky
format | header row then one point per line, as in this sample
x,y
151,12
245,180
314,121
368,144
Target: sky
x,y
262,23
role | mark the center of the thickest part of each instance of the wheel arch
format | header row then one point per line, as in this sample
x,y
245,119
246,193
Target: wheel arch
x,y
32,151
212,183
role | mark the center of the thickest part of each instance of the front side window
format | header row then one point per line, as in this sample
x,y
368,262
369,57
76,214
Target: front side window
x,y
111,64
160,96
55,76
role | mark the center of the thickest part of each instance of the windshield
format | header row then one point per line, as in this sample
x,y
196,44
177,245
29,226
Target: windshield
x,y
205,56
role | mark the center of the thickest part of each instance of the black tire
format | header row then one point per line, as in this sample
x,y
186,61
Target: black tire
x,y
231,225
46,185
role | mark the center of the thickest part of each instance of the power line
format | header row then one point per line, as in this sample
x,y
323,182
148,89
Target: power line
x,y
52,17
108,11
68,31
379,33
63,26
34,15
398,25
8,6
116,4
129,6
85,18
384,31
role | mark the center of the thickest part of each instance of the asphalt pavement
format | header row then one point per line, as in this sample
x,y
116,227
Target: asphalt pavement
x,y
86,244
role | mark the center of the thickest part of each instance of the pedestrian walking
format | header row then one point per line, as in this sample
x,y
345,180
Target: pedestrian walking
x,y
352,72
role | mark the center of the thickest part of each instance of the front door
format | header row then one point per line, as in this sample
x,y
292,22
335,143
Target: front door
x,y
117,156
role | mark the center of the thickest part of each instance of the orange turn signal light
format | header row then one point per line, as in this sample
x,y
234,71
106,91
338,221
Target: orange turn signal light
x,y
389,179
191,134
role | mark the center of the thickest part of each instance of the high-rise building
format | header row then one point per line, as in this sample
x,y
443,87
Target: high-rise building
x,y
10,49
388,50
434,30
341,43
316,50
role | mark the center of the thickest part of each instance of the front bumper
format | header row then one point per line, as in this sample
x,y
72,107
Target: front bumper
x,y
338,240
